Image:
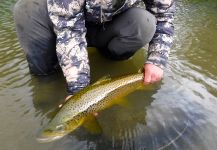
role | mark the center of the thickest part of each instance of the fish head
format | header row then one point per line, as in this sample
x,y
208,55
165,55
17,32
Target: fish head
x,y
54,131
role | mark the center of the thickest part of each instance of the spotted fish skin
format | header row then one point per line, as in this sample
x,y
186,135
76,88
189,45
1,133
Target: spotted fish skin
x,y
91,99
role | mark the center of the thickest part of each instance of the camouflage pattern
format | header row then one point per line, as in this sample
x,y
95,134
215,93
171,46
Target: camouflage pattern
x,y
161,43
69,16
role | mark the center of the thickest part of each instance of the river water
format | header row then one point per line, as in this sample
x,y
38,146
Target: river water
x,y
178,113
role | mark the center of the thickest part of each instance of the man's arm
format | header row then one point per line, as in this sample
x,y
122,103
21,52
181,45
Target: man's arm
x,y
160,45
69,25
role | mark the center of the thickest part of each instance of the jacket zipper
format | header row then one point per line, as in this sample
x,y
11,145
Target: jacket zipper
x,y
101,15
119,8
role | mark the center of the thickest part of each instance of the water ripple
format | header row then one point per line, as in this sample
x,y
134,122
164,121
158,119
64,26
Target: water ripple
x,y
180,114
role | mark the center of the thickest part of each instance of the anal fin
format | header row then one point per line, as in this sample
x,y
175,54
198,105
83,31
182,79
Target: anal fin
x,y
92,125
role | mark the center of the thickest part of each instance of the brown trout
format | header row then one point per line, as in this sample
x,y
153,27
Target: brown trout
x,y
88,101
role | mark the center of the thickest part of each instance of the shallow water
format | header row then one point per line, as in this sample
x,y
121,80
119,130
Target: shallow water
x,y
178,113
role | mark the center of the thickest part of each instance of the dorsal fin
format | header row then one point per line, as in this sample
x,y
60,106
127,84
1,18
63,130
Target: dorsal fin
x,y
103,79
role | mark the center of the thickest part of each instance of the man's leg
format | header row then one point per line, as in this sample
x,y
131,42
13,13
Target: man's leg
x,y
36,36
120,38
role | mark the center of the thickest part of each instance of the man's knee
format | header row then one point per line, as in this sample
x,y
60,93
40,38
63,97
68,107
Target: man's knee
x,y
20,12
134,29
30,10
117,51
35,35
143,25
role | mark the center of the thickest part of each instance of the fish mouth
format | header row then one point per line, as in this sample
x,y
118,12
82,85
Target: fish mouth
x,y
44,139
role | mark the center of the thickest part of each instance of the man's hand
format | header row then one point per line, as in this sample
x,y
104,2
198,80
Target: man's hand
x,y
152,73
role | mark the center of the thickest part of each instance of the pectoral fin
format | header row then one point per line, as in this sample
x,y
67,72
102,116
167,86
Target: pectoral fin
x,y
141,70
103,79
92,125
122,101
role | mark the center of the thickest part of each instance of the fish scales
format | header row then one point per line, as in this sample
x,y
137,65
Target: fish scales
x,y
93,98
97,95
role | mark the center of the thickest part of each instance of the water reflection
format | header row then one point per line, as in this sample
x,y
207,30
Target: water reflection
x,y
178,113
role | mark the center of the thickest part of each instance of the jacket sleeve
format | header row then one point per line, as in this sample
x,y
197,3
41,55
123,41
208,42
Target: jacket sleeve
x,y
159,47
69,25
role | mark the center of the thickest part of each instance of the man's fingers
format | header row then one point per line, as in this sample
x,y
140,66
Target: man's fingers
x,y
147,77
157,77
151,78
152,73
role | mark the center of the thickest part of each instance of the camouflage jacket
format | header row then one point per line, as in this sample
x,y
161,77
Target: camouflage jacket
x,y
69,16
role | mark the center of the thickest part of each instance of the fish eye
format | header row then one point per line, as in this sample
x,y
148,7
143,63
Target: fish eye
x,y
60,127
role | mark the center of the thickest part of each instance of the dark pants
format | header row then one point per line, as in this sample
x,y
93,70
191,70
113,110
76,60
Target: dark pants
x,y
118,39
